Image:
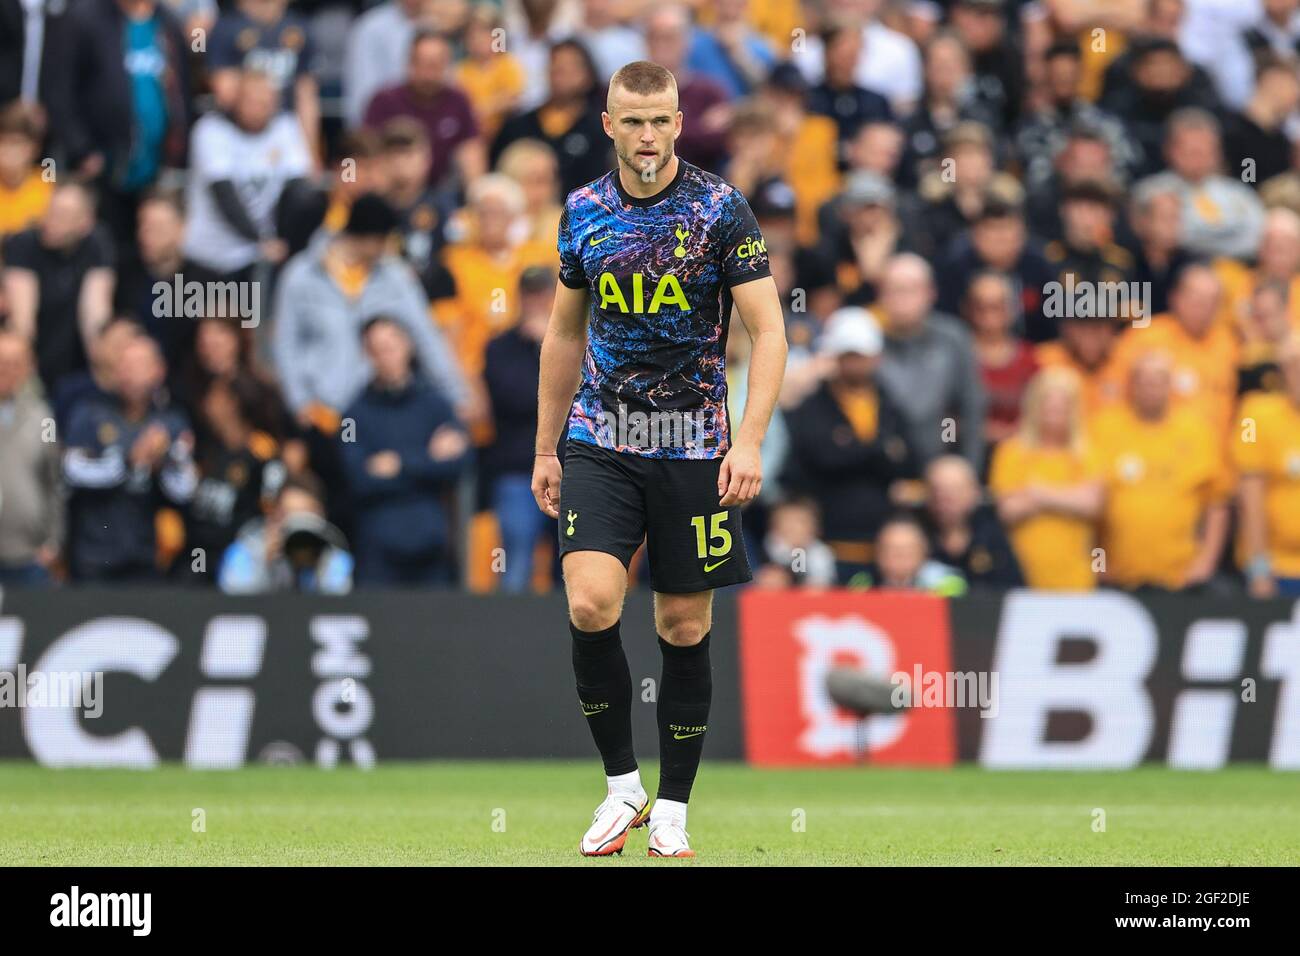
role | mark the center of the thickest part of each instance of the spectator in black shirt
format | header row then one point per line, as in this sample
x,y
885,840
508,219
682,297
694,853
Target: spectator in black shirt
x,y
59,281
838,96
510,373
1255,141
965,532
576,100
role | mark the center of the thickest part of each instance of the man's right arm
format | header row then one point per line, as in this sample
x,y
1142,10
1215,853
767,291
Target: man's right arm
x,y
558,377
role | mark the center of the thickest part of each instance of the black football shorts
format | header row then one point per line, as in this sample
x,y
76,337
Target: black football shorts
x,y
610,501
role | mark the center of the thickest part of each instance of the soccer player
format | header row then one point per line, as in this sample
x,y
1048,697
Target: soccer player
x,y
664,250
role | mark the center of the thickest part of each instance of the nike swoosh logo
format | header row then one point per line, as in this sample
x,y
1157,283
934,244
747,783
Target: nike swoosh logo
x,y
596,242
684,736
710,567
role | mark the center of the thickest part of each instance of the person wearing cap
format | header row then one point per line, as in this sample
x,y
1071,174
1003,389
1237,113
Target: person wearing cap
x,y
928,358
324,296
847,439
861,230
510,373
406,455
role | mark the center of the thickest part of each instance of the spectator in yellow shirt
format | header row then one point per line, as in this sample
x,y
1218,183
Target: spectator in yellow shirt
x,y
491,78
1278,260
1048,487
1267,455
24,189
486,267
1087,347
1203,352
532,164
1165,520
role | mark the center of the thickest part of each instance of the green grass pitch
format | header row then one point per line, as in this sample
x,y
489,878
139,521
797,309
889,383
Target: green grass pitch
x,y
533,813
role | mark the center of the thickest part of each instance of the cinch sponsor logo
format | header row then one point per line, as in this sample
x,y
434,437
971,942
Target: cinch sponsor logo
x,y
667,291
134,910
751,247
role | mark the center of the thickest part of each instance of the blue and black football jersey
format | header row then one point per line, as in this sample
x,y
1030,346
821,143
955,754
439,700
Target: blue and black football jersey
x,y
660,272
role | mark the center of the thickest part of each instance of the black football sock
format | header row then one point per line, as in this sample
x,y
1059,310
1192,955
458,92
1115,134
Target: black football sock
x,y
685,693
605,692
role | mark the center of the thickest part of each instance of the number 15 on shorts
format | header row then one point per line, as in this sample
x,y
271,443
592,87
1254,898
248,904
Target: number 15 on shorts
x,y
716,543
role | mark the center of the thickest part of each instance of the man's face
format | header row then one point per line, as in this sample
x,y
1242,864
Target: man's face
x,y
644,129
666,41
1161,73
568,74
842,54
17,153
68,219
1149,387
428,69
139,369
989,309
1195,301
1279,249
1194,152
1161,222
160,231
878,147
1087,223
951,491
1084,158
15,364
999,241
493,216
979,27
1089,341
1063,78
900,552
856,369
408,166
256,103
906,295
389,351
368,250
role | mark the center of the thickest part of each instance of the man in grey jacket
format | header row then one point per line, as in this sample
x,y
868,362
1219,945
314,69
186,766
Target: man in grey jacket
x,y
31,483
324,297
929,366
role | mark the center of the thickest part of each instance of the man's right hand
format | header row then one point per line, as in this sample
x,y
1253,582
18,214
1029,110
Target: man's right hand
x,y
546,484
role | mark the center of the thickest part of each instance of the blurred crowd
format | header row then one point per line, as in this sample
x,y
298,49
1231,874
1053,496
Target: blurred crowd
x,y
275,279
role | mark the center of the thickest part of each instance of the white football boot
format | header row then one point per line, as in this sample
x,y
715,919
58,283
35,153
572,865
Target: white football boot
x,y
619,812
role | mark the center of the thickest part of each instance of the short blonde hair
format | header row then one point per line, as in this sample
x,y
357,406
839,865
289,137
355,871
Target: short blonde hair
x,y
1031,412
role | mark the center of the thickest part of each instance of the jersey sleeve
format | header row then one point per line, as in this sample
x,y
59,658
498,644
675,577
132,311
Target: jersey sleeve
x,y
744,251
571,272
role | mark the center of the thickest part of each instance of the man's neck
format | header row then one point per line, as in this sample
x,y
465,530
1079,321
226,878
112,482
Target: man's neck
x,y
643,188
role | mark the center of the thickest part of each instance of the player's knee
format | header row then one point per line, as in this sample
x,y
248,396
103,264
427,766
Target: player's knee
x,y
682,631
592,610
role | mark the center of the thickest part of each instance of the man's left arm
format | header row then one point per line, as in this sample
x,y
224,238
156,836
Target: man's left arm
x,y
759,305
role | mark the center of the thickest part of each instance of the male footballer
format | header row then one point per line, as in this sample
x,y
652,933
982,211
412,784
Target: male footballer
x,y
653,256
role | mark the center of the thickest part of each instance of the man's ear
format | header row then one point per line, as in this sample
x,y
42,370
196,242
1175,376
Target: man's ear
x,y
607,123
